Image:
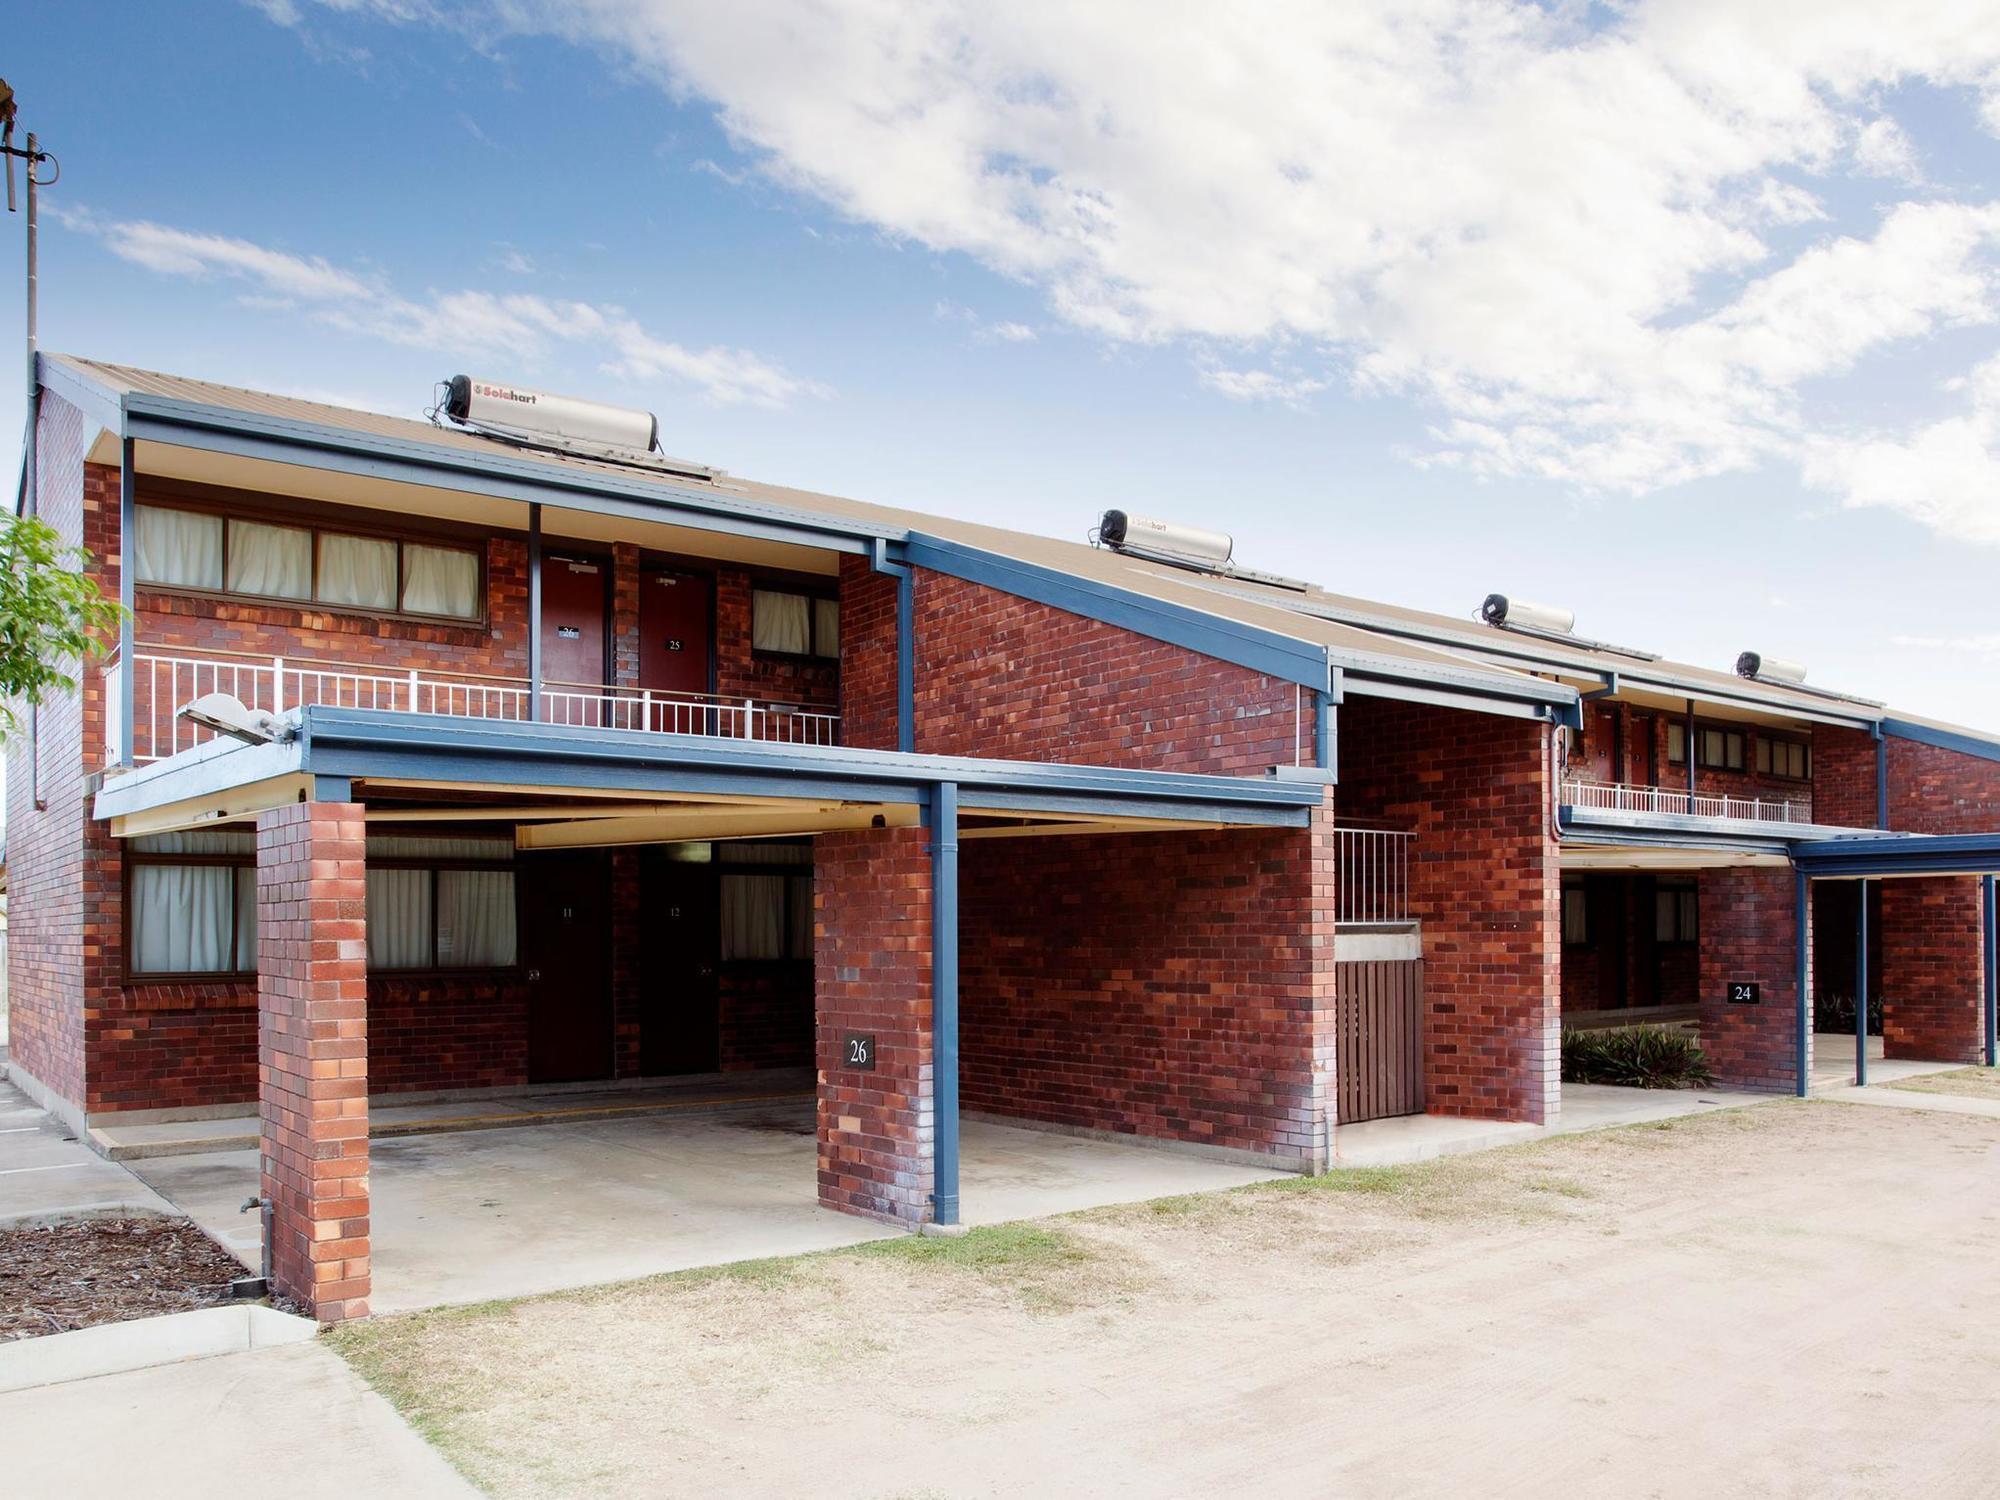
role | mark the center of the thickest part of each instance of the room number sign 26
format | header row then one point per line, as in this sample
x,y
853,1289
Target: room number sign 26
x,y
857,1051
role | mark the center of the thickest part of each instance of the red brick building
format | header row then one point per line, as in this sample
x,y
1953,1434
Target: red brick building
x,y
557,763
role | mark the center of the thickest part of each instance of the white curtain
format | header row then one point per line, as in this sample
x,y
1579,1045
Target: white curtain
x,y
826,627
753,916
180,918
417,846
779,622
272,560
181,548
246,919
752,852
475,928
196,841
399,919
358,570
440,581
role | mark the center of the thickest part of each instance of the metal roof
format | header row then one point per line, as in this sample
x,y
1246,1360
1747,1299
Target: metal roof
x,y
1378,642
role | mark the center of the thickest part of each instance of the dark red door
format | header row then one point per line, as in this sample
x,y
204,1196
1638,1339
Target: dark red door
x,y
573,598
680,1017
566,950
673,632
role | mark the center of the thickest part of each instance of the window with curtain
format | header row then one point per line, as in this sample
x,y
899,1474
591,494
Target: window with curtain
x,y
271,560
791,624
440,581
191,903
766,902
178,548
441,903
1576,916
193,549
358,570
1791,759
1675,914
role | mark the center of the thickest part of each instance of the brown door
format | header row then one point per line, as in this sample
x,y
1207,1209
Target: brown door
x,y
573,600
1642,753
1378,1007
680,1016
566,950
674,612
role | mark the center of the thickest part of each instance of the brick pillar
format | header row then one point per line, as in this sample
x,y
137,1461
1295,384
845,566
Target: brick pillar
x,y
1749,932
1933,969
872,977
312,1052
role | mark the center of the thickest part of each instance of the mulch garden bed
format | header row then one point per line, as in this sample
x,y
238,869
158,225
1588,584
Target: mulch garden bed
x,y
57,1277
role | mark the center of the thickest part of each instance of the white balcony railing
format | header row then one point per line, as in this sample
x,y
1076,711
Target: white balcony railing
x,y
162,684
1373,877
1606,796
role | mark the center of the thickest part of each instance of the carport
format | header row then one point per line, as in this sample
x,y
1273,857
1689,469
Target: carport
x,y
1957,921
661,1189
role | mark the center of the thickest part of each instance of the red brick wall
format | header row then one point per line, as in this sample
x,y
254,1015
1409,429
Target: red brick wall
x,y
1176,986
867,656
1005,677
1484,881
872,926
766,1016
1934,790
430,1031
1843,763
312,1052
1933,969
47,950
1749,931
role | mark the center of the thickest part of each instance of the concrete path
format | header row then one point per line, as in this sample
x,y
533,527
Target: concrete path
x,y
295,1422
46,1173
1890,1098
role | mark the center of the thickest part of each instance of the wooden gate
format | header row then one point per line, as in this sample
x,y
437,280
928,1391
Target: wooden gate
x,y
1378,1044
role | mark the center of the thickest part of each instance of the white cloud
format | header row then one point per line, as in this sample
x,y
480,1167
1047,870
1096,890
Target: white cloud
x,y
519,326
1572,234
1011,333
1261,385
945,311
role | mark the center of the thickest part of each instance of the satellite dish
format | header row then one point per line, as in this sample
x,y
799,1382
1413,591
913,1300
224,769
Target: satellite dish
x,y
227,715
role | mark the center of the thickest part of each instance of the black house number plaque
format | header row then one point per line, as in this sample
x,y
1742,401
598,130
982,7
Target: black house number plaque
x,y
1745,992
857,1051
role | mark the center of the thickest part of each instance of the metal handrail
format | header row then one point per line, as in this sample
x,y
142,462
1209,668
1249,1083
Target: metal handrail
x,y
1614,796
1372,877
163,683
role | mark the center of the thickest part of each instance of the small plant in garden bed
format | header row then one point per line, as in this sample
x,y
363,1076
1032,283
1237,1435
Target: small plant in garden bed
x,y
1640,1057
1836,1013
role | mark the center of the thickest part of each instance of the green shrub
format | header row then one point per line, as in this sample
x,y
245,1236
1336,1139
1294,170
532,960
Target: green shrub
x,y
1836,1013
1639,1057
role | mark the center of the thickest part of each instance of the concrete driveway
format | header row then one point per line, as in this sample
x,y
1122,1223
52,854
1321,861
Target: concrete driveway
x,y
46,1173
471,1216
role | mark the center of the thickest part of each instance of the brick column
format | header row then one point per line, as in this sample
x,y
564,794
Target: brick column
x,y
1933,969
872,977
312,1053
1749,932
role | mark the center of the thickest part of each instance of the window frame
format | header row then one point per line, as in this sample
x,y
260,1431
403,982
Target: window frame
x,y
1702,728
130,860
316,526
725,868
433,970
1767,757
813,596
1687,899
1582,894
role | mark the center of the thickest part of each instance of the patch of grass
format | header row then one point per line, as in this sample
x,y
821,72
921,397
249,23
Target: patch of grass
x,y
1971,1083
1050,1270
1386,1181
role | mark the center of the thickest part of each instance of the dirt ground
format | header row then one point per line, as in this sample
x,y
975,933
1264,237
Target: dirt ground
x,y
1796,1299
58,1277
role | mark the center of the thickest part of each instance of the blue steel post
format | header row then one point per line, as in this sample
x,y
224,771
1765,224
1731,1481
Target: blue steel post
x,y
1323,731
128,596
906,661
534,610
1803,1040
1992,925
1861,988
1881,779
944,999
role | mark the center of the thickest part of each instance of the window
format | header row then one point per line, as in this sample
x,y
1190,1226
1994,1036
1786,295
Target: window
x,y
1677,744
791,624
275,560
766,902
1716,748
1791,759
1576,916
1675,909
440,903
191,903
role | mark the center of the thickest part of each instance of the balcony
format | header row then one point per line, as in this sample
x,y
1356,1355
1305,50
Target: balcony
x,y
1606,796
162,684
1373,887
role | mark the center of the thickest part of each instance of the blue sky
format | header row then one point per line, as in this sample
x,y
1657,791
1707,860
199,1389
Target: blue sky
x,y
1686,316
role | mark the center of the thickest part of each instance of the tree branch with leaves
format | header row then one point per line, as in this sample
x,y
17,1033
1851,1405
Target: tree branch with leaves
x,y
53,616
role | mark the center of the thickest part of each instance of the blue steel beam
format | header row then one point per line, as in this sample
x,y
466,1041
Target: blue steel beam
x,y
128,596
1992,925
944,1001
1861,989
1802,1040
